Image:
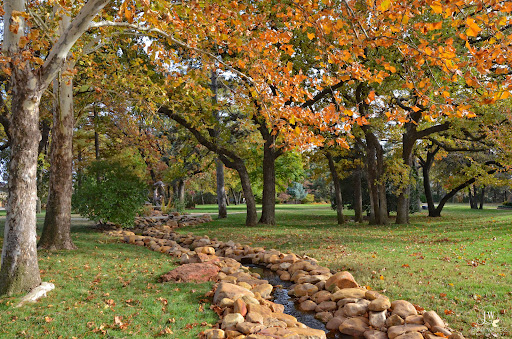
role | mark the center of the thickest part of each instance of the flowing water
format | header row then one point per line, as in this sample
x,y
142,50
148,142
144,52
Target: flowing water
x,y
281,296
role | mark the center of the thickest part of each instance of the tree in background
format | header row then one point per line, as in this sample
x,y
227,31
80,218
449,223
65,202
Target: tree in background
x,y
117,196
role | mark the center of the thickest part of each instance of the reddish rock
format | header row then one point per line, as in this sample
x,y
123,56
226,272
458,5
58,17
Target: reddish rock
x,y
199,272
239,306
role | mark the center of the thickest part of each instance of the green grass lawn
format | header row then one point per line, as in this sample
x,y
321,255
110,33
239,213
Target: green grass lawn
x,y
107,288
458,265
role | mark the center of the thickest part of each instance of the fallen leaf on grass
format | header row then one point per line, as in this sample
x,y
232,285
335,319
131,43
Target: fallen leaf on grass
x,y
48,319
448,312
118,321
165,331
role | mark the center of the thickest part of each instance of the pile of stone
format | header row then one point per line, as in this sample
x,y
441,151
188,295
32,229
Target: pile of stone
x,y
172,220
244,300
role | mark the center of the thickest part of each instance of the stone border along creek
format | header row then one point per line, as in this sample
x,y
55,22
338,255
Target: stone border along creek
x,y
243,301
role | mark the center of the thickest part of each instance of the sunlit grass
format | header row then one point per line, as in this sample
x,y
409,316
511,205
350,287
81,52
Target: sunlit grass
x,y
107,288
459,263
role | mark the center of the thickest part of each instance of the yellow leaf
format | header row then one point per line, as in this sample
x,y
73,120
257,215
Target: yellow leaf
x,y
297,130
348,112
311,36
385,4
473,28
381,277
437,8
446,94
292,120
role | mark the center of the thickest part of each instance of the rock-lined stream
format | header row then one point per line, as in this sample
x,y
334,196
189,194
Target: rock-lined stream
x,y
281,296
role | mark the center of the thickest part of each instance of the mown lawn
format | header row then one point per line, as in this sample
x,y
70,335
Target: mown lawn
x,y
107,289
458,265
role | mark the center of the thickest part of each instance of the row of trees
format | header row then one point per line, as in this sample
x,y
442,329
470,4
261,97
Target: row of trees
x,y
334,77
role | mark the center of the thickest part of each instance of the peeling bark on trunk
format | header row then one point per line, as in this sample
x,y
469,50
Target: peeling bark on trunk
x,y
57,223
337,189
20,269
221,192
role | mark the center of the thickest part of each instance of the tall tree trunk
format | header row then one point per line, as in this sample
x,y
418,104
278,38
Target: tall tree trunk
x,y
221,192
472,199
358,196
402,208
251,218
375,171
181,191
19,270
57,223
337,188
482,198
268,201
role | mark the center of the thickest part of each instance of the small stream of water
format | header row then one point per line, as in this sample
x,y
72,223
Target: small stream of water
x,y
281,296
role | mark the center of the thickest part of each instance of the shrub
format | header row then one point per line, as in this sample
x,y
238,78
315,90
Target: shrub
x,y
309,199
110,191
507,203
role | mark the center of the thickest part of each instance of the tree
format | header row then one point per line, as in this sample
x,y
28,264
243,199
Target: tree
x,y
116,197
57,223
20,270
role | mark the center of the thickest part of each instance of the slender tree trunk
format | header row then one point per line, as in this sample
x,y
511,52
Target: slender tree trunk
x,y
472,203
402,208
482,198
251,218
221,192
268,202
337,189
181,191
19,270
96,135
358,196
56,233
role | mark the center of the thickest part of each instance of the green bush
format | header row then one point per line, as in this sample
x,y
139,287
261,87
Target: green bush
x,y
309,199
507,203
110,191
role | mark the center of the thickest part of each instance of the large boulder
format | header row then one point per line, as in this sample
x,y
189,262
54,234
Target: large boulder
x,y
231,291
199,272
341,280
